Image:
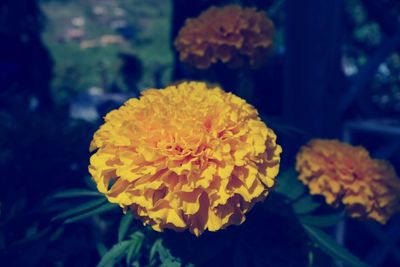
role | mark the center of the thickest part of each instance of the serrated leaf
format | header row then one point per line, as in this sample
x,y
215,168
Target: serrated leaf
x,y
114,254
164,253
76,193
320,220
288,185
98,210
305,205
80,208
332,248
134,248
124,226
154,250
158,248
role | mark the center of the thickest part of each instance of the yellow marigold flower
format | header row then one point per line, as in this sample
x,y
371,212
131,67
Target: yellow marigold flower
x,y
232,35
185,157
344,174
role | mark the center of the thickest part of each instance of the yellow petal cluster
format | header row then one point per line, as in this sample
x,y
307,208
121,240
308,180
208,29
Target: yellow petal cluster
x,y
344,174
231,34
188,156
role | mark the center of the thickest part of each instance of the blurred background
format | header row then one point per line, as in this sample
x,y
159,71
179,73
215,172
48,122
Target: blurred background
x,y
334,72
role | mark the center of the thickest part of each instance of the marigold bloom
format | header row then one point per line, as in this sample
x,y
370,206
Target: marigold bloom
x,y
185,157
232,35
344,174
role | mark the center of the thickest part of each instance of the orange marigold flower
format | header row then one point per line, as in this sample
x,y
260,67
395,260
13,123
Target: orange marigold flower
x,y
344,174
185,157
230,34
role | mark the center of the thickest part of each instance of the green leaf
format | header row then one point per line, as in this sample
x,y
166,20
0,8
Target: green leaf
x,y
153,250
332,248
100,209
75,193
124,226
170,263
80,208
56,234
136,244
163,253
320,220
56,207
152,254
101,249
114,254
305,205
288,185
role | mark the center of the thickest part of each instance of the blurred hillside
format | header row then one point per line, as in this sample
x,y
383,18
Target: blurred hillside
x,y
86,38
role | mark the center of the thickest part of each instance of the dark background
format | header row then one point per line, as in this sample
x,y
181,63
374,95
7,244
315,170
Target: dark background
x,y
334,73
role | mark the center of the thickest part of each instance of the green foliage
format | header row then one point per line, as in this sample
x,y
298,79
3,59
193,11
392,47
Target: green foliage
x,y
86,206
101,249
141,242
159,253
296,193
77,69
288,185
332,248
97,204
89,213
137,239
367,33
304,205
114,254
93,203
73,193
320,220
124,226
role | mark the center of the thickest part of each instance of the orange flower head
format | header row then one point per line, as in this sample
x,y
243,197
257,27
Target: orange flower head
x,y
231,34
188,156
344,174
